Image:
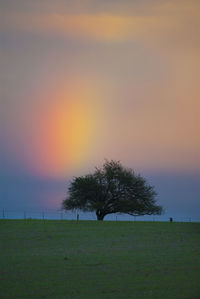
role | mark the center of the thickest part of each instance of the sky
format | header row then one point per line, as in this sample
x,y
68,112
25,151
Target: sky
x,y
84,81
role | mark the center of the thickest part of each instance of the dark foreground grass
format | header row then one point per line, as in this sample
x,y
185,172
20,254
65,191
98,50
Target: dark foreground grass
x,y
66,259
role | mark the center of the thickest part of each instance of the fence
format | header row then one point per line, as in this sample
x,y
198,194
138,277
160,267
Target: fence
x,y
47,214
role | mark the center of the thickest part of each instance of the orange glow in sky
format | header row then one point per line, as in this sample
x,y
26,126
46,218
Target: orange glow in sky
x,y
141,60
63,132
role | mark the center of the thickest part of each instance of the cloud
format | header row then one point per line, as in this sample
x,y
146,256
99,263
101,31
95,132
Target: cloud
x,y
167,22
93,27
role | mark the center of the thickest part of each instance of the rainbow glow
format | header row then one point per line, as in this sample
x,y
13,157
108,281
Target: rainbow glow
x,y
63,131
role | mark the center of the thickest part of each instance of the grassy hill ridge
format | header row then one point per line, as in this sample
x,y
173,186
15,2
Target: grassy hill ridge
x,y
89,259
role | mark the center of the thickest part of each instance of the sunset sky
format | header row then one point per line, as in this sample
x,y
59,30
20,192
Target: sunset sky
x,y
93,79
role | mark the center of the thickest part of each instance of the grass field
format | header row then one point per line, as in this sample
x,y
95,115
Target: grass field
x,y
89,259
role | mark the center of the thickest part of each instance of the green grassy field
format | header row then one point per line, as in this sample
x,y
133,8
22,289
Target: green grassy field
x,y
89,259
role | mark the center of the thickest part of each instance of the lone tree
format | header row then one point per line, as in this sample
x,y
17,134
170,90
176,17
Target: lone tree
x,y
112,189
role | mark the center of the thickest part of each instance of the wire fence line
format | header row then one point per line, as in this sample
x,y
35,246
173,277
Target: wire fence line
x,y
47,214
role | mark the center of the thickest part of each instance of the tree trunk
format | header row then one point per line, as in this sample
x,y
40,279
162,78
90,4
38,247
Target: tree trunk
x,y
100,215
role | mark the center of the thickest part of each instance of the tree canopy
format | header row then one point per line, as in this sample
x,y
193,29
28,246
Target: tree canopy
x,y
112,189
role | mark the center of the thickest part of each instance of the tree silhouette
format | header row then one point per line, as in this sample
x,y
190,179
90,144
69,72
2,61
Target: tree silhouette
x,y
112,189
